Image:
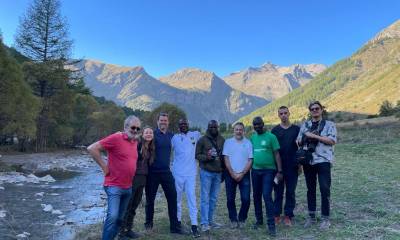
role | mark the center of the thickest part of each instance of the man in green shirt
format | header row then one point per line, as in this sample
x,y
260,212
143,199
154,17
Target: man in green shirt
x,y
266,167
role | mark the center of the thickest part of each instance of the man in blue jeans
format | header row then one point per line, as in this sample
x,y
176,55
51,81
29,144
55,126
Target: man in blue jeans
x,y
266,162
238,154
209,155
118,171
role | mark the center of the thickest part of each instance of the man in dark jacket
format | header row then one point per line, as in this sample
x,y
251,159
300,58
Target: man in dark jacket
x,y
209,155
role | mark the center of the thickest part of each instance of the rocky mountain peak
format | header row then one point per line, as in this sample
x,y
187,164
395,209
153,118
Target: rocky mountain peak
x,y
393,31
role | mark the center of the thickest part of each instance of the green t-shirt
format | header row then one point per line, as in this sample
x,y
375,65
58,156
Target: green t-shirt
x,y
264,146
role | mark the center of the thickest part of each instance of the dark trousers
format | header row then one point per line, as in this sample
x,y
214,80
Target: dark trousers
x,y
290,176
323,171
139,182
168,185
244,187
263,181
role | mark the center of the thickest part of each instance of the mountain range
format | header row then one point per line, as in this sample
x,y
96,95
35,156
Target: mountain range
x,y
201,94
357,84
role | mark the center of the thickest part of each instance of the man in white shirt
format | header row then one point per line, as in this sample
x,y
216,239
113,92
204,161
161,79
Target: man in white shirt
x,y
238,154
184,169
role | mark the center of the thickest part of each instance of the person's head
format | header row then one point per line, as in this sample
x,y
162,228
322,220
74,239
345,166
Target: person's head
x,y
258,125
162,121
132,127
316,109
283,114
183,125
148,134
212,128
238,130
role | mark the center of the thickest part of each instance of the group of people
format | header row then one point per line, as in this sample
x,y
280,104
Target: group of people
x,y
267,161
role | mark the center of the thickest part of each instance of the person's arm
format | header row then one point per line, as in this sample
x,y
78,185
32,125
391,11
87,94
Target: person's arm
x,y
300,135
201,155
278,162
229,168
95,151
246,169
330,138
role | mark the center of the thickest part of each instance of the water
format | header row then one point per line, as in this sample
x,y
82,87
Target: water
x,y
78,194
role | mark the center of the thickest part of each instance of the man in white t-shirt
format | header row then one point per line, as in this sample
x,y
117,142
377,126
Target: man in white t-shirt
x,y
238,154
184,169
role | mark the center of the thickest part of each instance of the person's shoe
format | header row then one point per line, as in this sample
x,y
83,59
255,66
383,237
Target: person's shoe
x,y
272,230
205,227
195,231
257,225
131,234
309,222
325,224
234,225
215,225
277,220
177,230
287,221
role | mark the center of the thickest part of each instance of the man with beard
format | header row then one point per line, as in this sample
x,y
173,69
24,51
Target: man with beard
x,y
118,171
286,132
209,155
266,166
184,169
160,173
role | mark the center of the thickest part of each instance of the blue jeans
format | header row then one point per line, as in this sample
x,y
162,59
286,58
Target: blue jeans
x,y
244,187
210,186
263,183
117,202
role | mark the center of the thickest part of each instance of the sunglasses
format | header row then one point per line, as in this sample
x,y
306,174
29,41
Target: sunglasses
x,y
315,109
134,128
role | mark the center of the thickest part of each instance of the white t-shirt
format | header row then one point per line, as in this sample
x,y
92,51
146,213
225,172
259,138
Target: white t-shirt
x,y
238,153
184,149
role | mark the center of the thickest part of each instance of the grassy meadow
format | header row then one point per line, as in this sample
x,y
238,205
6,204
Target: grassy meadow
x,y
365,195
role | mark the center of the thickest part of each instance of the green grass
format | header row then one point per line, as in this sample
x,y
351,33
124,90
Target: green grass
x,y
365,195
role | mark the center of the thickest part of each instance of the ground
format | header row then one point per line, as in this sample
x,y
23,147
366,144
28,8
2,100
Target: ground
x,y
365,195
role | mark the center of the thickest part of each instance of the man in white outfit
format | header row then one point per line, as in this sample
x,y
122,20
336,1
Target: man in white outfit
x,y
184,169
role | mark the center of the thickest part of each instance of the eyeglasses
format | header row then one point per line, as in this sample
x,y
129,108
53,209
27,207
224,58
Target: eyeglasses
x,y
315,109
134,128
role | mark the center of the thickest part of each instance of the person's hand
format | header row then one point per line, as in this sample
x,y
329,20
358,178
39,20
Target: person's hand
x,y
300,170
279,176
209,155
239,176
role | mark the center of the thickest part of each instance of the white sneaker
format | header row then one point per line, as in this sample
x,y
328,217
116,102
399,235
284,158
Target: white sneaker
x,y
215,225
325,224
205,228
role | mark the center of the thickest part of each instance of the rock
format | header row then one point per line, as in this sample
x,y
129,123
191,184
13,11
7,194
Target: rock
x,y
57,212
3,214
69,221
23,235
20,184
40,194
38,199
47,207
2,188
54,194
61,216
47,178
59,223
32,179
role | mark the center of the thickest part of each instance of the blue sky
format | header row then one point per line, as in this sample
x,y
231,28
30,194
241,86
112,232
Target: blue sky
x,y
216,35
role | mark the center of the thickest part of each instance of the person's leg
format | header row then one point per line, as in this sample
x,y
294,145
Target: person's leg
x,y
137,192
110,228
230,187
324,180
244,187
268,183
311,182
278,191
205,185
291,178
214,191
151,192
190,187
180,187
168,185
123,204
256,178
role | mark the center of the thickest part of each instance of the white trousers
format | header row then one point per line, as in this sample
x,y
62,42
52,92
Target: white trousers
x,y
186,184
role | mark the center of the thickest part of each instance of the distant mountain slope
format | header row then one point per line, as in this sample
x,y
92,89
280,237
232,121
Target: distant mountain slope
x,y
356,84
203,100
271,81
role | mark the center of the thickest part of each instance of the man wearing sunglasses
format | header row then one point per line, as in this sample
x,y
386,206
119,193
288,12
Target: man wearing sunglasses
x,y
118,170
318,136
